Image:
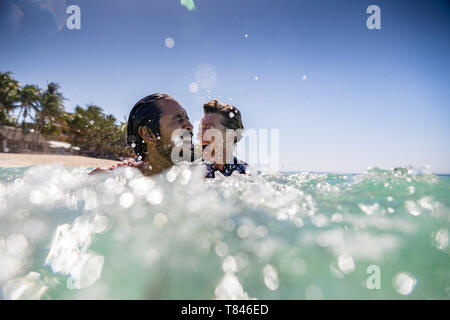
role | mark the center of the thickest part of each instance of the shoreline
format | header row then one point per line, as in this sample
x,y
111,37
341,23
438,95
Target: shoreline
x,y
17,160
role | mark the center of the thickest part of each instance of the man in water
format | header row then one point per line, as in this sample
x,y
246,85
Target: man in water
x,y
152,124
220,129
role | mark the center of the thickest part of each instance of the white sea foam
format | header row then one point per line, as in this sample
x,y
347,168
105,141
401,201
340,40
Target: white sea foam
x,y
176,235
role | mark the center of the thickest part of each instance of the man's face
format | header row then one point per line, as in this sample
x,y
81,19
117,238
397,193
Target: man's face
x,y
173,118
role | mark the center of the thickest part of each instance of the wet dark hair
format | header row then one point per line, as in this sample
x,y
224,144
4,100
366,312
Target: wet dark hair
x,y
145,112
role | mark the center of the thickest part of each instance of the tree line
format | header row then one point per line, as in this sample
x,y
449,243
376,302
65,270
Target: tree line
x,y
41,110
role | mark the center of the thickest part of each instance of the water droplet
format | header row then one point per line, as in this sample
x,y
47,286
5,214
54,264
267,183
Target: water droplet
x,y
346,263
440,239
126,200
206,76
29,287
169,42
37,197
243,231
155,196
261,231
337,217
404,283
221,249
160,220
230,288
270,277
229,264
193,87
426,203
412,207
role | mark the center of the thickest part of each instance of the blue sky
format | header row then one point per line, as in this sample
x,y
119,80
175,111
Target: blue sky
x,y
370,97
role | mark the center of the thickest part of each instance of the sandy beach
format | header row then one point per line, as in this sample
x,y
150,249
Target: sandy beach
x,y
14,160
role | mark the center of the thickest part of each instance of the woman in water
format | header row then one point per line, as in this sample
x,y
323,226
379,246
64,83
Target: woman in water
x,y
220,129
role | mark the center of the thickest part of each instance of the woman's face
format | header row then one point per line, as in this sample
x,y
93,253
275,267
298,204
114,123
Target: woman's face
x,y
208,122
217,141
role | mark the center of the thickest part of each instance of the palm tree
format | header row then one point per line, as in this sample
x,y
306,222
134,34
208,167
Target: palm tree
x,y
50,110
29,99
9,92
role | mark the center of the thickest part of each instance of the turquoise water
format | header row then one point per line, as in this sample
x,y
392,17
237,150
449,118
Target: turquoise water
x,y
377,235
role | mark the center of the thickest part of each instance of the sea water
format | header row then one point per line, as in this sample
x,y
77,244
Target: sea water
x,y
382,234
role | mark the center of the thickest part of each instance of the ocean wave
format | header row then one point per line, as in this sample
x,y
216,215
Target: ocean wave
x,y
120,235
